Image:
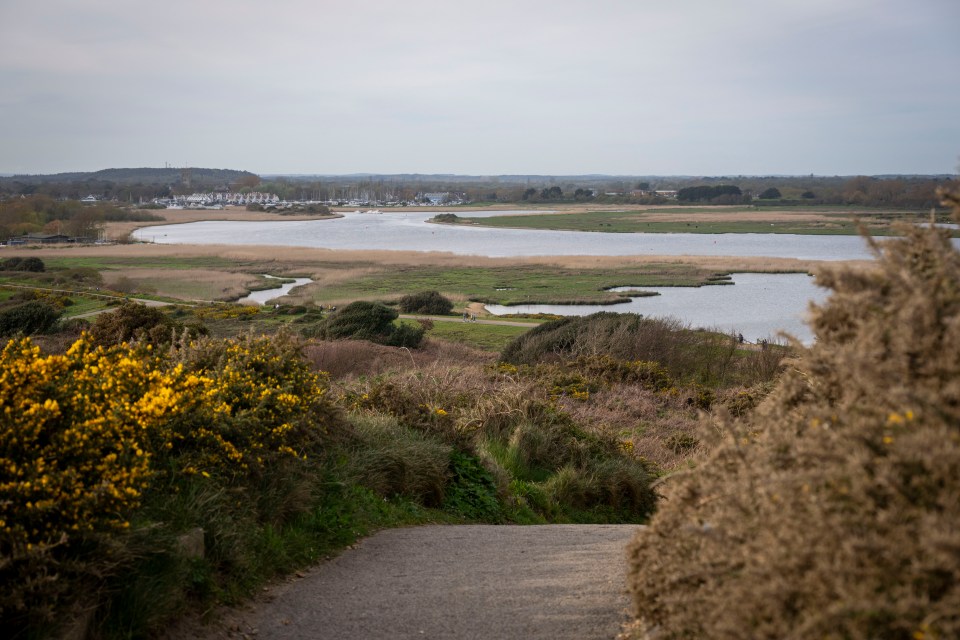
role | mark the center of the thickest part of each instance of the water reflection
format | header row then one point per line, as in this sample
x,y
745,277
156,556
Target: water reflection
x,y
409,231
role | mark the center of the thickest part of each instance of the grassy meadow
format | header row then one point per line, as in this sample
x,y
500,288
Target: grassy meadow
x,y
208,278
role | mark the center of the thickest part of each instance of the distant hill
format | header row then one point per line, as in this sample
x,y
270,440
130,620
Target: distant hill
x,y
144,175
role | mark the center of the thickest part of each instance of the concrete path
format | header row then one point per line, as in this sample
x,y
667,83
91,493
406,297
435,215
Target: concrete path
x,y
460,582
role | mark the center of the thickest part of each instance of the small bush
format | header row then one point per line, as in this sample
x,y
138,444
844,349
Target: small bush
x,y
34,265
372,321
135,322
427,302
473,491
28,318
395,460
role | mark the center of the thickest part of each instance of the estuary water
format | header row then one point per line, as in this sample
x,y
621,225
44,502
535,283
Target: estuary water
x,y
757,305
266,295
409,231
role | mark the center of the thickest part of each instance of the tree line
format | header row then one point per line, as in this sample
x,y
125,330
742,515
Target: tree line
x,y
43,214
916,192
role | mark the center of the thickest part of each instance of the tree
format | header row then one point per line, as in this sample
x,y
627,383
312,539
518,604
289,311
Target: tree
x,y
808,195
695,194
552,193
770,194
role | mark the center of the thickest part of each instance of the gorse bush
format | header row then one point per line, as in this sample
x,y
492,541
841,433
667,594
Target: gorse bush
x,y
371,321
429,302
28,318
830,512
135,322
101,440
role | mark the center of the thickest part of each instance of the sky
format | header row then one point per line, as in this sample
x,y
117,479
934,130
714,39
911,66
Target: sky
x,y
558,87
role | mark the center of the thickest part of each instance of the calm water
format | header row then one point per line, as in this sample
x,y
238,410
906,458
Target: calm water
x,y
266,295
411,232
757,305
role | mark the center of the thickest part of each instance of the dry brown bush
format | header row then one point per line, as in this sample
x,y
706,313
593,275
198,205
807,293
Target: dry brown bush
x,y
353,358
832,511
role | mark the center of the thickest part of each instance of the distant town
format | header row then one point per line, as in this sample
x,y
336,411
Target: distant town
x,y
218,200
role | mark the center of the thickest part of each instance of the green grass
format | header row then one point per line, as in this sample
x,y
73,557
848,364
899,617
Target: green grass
x,y
839,223
488,337
526,284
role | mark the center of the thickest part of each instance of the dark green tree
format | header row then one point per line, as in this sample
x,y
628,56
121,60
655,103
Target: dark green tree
x,y
770,194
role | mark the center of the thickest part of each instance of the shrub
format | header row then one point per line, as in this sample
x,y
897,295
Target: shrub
x,y
106,453
372,321
686,355
406,335
260,403
32,264
28,318
132,322
428,302
361,320
394,460
73,463
832,510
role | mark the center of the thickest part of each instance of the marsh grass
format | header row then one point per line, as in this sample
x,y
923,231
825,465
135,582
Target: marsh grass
x,y
705,220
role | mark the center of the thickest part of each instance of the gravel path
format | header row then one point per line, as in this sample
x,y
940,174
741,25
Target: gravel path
x,y
460,582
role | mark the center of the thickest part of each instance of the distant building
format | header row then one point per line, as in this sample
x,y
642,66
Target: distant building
x,y
41,238
437,198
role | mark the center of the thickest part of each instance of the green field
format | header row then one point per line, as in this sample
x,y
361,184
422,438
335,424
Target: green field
x,y
524,284
724,221
488,337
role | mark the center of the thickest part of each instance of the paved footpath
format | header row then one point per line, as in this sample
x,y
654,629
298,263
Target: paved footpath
x,y
459,582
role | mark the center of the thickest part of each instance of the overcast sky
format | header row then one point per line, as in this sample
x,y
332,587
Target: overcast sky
x,y
694,87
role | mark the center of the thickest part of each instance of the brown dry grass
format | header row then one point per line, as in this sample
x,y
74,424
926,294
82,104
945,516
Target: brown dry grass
x,y
198,285
301,258
832,511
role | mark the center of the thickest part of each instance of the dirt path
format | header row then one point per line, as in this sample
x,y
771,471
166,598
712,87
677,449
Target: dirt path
x,y
464,582
504,323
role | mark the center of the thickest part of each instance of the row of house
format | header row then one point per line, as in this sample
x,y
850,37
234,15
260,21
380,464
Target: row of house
x,y
197,200
48,238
